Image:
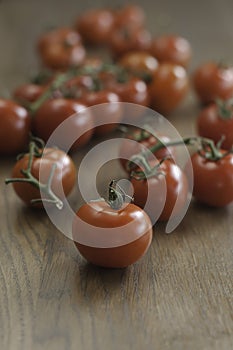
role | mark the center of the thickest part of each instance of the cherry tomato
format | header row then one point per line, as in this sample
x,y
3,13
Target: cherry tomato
x,y
63,179
27,93
110,111
214,122
134,91
144,139
139,62
61,49
176,196
77,86
213,180
130,16
171,48
54,111
129,226
212,81
168,87
96,26
127,39
15,125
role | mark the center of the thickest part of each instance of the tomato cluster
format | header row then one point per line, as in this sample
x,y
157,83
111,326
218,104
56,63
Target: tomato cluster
x,y
147,71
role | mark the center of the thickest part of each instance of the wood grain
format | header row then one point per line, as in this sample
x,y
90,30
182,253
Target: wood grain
x,y
180,295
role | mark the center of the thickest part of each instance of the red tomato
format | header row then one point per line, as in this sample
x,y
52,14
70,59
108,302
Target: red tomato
x,y
168,87
139,62
214,122
177,191
134,91
213,180
127,39
15,126
63,179
171,48
61,48
27,93
110,111
96,26
212,81
129,227
54,111
130,16
144,139
77,86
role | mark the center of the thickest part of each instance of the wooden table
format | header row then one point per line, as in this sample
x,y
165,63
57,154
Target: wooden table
x,y
179,296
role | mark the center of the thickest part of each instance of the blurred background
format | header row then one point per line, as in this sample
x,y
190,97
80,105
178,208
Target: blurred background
x,y
21,22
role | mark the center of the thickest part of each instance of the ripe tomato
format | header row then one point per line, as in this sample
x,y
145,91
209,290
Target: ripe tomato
x,y
144,139
213,180
27,93
63,179
215,122
139,62
111,238
212,81
168,87
172,178
77,86
61,48
96,26
110,112
15,125
54,111
171,48
129,16
133,90
129,39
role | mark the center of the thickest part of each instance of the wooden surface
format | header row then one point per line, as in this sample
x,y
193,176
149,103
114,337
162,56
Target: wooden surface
x,y
179,296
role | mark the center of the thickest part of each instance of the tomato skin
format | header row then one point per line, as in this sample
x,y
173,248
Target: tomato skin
x,y
133,90
168,88
128,149
171,48
141,62
53,112
101,215
127,39
64,175
96,26
130,16
211,125
61,48
212,81
27,93
177,190
111,110
213,180
15,126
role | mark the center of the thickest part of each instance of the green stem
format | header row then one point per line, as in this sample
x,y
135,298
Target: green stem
x,y
30,179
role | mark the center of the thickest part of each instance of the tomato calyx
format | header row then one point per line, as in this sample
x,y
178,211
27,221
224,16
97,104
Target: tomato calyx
x,y
210,151
116,196
225,109
148,170
36,148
